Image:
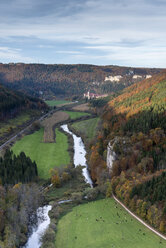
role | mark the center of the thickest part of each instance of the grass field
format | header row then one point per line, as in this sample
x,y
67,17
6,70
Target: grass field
x,y
53,103
103,224
17,121
46,155
75,115
87,127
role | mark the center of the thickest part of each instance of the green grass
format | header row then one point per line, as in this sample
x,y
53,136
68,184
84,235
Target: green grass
x,y
53,103
46,155
75,115
87,127
100,224
4,127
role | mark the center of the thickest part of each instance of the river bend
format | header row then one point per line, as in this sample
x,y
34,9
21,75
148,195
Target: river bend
x,y
42,212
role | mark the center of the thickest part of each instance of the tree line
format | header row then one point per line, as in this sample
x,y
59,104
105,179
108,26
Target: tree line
x,y
15,169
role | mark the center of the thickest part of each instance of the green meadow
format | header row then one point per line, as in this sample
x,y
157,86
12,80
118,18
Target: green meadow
x,y
87,127
103,224
53,103
75,115
46,155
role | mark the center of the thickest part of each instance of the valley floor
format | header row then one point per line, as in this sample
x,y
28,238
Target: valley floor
x,y
103,223
46,155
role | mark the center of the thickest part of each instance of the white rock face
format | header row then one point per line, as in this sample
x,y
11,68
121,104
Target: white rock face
x,y
148,76
111,156
113,78
137,76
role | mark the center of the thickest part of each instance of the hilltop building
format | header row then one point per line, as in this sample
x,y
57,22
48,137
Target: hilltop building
x,y
94,96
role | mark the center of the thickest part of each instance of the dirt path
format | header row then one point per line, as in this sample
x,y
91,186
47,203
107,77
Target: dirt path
x,y
136,217
49,123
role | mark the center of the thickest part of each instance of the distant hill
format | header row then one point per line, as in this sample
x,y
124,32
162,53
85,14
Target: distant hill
x,y
12,103
68,80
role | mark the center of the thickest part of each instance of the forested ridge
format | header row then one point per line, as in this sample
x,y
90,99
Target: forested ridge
x,y
13,102
67,80
135,125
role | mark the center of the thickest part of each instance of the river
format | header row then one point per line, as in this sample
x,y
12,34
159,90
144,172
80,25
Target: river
x,y
43,223
42,212
79,155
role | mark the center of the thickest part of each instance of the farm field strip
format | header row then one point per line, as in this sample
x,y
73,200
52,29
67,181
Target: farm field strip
x,y
49,123
103,223
53,103
82,107
74,115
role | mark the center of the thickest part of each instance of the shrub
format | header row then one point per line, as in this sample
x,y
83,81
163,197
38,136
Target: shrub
x,y
77,197
91,194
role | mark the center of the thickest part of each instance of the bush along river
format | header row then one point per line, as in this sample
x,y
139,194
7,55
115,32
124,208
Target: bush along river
x,y
42,212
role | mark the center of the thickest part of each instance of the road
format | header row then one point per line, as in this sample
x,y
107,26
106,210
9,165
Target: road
x,y
136,217
21,132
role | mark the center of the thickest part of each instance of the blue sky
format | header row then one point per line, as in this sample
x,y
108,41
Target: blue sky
x,y
101,32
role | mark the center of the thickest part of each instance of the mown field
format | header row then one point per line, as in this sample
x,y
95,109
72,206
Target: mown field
x,y
104,224
75,115
87,128
53,103
46,155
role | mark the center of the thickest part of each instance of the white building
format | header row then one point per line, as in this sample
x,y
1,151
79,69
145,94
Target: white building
x,y
94,96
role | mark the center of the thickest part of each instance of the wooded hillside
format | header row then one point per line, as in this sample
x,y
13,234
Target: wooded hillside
x,y
135,124
12,103
68,80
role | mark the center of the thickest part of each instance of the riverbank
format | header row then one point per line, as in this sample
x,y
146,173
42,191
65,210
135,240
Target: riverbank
x,y
75,184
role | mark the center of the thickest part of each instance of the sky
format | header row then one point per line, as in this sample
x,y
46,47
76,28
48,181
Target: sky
x,y
101,32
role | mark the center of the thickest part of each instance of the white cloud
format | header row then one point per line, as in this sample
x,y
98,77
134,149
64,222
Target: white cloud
x,y
13,55
45,46
117,28
69,52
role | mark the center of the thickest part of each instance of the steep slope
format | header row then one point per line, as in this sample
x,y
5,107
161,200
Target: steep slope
x,y
134,125
12,103
140,107
68,80
17,110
